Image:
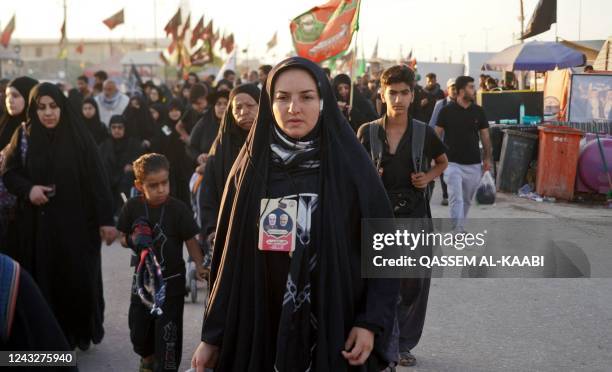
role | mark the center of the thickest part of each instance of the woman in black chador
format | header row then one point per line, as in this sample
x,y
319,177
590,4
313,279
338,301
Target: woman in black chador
x,y
64,207
91,119
233,132
311,309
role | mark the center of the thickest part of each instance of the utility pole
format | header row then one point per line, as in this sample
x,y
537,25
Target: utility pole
x,y
522,19
65,42
155,24
580,20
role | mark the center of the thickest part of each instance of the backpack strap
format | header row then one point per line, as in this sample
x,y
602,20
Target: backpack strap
x,y
418,143
9,287
376,145
420,162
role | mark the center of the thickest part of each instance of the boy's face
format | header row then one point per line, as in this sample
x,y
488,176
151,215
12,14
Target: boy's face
x,y
398,97
155,187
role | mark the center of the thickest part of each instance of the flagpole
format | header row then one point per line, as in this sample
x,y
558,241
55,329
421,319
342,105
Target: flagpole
x,y
66,43
353,63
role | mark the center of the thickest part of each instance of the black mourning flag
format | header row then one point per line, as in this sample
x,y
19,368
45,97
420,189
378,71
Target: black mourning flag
x,y
543,17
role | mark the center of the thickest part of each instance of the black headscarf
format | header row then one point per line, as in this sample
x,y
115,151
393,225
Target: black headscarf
x,y
350,189
362,110
162,110
138,121
222,155
66,251
94,124
9,123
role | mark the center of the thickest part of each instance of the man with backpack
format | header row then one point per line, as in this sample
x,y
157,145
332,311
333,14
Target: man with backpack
x,y
402,149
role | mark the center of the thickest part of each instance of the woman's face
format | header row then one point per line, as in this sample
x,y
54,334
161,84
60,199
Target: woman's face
x,y
48,112
135,103
296,103
89,110
220,107
244,110
15,103
174,114
154,114
154,95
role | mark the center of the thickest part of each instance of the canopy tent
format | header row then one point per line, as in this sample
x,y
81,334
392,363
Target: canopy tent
x,y
535,56
603,62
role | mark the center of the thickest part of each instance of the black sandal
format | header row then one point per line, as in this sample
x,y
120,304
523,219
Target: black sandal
x,y
407,359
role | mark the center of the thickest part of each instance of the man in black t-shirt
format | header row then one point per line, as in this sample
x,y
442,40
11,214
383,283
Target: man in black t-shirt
x,y
463,125
158,339
407,188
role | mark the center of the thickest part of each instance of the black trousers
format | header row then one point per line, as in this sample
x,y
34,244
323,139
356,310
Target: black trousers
x,y
160,336
444,188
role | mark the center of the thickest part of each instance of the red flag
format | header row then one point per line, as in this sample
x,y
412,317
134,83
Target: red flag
x,y
114,20
8,31
197,33
208,31
325,31
173,24
186,27
79,49
229,43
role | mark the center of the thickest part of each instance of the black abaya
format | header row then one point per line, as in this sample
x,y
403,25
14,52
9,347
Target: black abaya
x,y
240,317
60,240
222,155
94,125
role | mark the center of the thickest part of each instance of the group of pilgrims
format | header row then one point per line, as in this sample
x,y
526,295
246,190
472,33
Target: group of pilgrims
x,y
291,136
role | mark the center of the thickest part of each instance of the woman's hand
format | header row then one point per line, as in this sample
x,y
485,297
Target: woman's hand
x,y
205,356
202,158
37,195
359,345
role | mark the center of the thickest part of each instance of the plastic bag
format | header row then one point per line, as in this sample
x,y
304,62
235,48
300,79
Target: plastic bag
x,y
485,194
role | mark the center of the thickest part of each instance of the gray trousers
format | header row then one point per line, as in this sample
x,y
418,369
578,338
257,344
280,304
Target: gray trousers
x,y
462,181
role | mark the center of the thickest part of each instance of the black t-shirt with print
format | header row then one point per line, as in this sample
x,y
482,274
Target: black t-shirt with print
x,y
176,226
461,131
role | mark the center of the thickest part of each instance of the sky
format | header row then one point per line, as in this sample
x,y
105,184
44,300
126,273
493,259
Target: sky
x,y
433,29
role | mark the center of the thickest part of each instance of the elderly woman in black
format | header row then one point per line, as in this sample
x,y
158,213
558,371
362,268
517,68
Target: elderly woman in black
x,y
237,121
64,209
298,302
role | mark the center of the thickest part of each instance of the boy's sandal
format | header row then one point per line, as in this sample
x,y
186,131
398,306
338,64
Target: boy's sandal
x,y
407,359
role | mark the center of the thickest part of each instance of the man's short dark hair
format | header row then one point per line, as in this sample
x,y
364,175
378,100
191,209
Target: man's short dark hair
x,y
265,69
397,74
431,75
227,73
102,75
588,68
149,163
84,79
462,81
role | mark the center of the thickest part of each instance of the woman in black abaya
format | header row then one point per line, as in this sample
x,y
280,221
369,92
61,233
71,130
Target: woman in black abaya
x,y
167,142
91,119
64,207
311,310
358,110
139,121
17,93
224,151
205,131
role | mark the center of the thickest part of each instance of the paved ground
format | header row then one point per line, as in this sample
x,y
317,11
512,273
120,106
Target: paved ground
x,y
472,324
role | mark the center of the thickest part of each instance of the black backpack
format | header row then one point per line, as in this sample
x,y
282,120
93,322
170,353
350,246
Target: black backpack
x,y
420,162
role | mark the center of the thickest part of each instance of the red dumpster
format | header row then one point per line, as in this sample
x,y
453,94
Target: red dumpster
x,y
559,149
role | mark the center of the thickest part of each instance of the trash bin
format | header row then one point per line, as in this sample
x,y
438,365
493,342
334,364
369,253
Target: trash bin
x,y
516,154
557,161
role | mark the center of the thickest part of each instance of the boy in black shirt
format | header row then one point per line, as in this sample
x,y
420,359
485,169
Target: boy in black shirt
x,y
158,339
392,142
